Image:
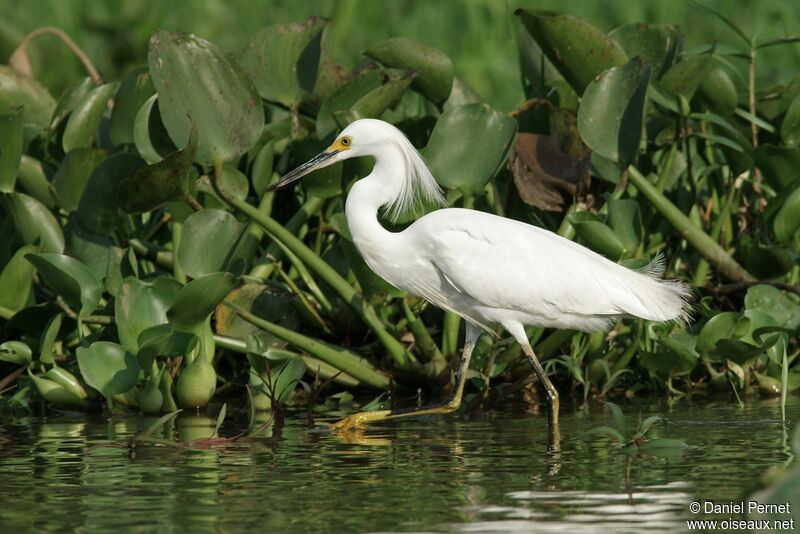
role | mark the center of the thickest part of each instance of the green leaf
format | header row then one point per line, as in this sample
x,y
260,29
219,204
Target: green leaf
x,y
152,185
33,182
269,303
623,218
108,367
779,164
199,87
790,127
434,69
787,221
16,279
141,305
718,91
195,302
468,146
53,392
619,418
722,326
783,307
657,44
578,50
48,339
71,279
683,78
663,447
18,90
10,148
135,90
345,97
98,209
609,431
612,109
35,224
283,60
374,103
209,241
15,352
85,118
149,134
597,235
72,175
88,248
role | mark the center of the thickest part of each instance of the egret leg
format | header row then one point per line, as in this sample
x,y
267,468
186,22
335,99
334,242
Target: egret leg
x,y
452,404
551,393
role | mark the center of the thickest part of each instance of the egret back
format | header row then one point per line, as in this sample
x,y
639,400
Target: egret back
x,y
503,270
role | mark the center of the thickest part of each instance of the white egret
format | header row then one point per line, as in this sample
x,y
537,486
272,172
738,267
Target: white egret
x,y
488,269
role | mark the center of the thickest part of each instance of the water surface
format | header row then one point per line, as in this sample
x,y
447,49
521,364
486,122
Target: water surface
x,y
432,475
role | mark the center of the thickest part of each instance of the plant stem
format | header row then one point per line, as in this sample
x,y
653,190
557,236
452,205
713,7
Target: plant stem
x,y
427,347
336,356
705,245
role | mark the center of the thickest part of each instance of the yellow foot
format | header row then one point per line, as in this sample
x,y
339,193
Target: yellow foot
x,y
358,420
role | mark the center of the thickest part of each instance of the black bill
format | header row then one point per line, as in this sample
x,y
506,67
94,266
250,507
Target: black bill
x,y
317,162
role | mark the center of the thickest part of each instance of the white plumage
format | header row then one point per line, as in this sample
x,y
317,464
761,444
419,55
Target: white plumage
x,y
488,269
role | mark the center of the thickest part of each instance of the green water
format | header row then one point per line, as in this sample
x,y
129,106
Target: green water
x,y
434,475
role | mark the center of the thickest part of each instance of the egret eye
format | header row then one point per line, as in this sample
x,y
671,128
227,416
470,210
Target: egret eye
x,y
345,141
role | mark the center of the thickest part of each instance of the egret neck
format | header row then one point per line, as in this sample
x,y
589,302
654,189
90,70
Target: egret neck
x,y
365,199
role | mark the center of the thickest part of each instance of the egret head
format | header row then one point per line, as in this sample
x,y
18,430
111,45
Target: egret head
x,y
410,179
354,141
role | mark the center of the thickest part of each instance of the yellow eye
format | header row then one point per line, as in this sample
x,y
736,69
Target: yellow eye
x,y
345,141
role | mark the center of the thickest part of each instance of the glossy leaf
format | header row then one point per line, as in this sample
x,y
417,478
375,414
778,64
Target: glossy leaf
x,y
32,181
718,91
623,218
209,240
16,279
658,44
152,185
484,138
53,392
18,90
578,50
48,339
345,97
611,112
35,224
15,352
10,148
782,306
597,236
787,221
70,279
141,305
683,78
98,208
434,69
85,118
108,367
199,87
283,60
149,134
72,175
195,302
721,326
779,164
135,90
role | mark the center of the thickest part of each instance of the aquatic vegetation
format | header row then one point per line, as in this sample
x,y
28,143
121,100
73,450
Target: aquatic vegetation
x,y
149,267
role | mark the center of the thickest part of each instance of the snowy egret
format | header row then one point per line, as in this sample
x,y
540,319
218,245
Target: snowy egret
x,y
488,269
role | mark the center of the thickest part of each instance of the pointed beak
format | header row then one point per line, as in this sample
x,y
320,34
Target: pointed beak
x,y
317,162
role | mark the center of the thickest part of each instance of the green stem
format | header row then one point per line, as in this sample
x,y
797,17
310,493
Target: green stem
x,y
336,356
400,355
427,347
701,273
310,206
325,370
177,271
705,245
163,258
